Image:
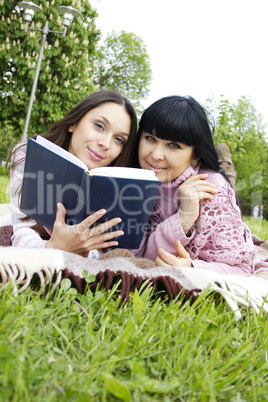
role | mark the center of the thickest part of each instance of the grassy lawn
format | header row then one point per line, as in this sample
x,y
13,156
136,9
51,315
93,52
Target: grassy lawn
x,y
258,227
53,350
68,347
4,189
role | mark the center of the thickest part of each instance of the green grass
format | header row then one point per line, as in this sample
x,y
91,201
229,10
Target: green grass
x,y
4,189
68,347
258,227
51,349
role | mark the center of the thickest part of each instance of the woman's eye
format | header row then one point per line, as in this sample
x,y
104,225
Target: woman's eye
x,y
174,145
99,125
120,140
149,138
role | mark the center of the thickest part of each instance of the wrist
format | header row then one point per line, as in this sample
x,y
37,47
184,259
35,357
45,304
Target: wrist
x,y
187,222
49,244
189,233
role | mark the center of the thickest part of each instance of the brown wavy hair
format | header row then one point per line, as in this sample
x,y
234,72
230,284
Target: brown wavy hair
x,y
59,134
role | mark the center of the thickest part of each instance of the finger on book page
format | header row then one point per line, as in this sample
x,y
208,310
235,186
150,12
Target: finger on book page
x,y
104,237
89,220
107,225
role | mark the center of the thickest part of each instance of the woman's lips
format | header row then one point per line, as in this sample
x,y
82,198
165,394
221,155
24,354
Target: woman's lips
x,y
155,167
95,155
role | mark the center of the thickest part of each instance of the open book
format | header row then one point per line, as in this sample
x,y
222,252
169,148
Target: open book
x,y
52,175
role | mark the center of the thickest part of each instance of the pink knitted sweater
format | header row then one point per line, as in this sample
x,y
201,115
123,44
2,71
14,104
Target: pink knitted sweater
x,y
220,241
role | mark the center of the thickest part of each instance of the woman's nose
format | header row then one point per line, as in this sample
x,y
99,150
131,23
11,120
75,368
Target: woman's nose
x,y
157,153
105,142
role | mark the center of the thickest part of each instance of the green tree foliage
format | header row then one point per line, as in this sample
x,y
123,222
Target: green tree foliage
x,y
122,63
241,128
7,141
66,70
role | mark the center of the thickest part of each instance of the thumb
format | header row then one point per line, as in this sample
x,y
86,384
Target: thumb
x,y
60,216
180,250
48,230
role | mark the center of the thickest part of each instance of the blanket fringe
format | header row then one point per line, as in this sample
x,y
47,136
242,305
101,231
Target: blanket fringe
x,y
236,295
19,278
39,269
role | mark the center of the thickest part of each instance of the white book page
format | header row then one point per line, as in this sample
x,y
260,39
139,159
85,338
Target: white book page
x,y
113,171
60,151
124,172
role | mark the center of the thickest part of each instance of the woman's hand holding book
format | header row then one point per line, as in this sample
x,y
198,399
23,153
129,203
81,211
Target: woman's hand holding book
x,y
81,238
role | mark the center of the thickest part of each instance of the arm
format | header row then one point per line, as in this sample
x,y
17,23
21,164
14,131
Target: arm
x,y
222,242
179,226
23,234
164,236
183,260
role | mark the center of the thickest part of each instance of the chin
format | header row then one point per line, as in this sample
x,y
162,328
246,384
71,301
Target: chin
x,y
161,177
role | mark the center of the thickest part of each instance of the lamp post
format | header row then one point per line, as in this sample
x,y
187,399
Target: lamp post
x,y
29,9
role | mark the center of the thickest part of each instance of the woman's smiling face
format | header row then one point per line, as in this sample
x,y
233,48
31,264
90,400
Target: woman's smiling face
x,y
168,159
100,136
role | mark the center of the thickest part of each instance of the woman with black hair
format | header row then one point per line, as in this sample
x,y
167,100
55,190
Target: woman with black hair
x,y
196,220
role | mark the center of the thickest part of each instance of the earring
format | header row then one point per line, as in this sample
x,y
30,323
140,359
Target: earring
x,y
70,129
193,164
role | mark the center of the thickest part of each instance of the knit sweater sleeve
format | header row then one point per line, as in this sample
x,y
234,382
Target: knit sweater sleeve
x,y
164,235
222,241
23,234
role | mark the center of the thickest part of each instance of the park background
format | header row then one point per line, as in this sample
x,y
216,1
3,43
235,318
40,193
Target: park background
x,y
212,51
65,346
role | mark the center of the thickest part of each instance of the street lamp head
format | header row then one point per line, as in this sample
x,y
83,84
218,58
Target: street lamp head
x,y
29,10
68,14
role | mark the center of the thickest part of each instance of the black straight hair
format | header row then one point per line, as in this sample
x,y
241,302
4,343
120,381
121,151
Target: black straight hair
x,y
181,119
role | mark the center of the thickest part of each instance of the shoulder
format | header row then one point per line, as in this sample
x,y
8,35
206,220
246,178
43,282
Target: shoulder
x,y
19,152
226,198
20,148
217,178
226,193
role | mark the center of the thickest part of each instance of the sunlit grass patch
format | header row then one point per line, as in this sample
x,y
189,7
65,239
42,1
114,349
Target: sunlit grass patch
x,y
257,227
66,346
4,189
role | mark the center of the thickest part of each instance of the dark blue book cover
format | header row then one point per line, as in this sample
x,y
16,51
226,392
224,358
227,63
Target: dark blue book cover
x,y
50,178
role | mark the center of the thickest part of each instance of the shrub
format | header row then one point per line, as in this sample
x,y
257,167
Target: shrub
x,y
3,171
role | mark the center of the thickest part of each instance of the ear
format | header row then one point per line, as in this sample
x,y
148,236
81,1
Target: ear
x,y
194,162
